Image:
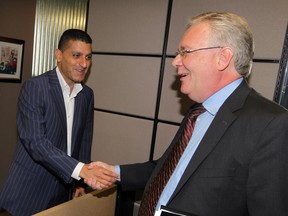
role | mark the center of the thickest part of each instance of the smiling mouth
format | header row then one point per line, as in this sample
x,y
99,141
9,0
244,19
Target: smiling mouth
x,y
182,75
80,70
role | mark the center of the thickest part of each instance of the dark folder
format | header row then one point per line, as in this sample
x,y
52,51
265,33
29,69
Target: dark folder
x,y
167,211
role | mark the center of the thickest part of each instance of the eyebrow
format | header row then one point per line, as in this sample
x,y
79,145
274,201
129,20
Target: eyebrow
x,y
184,47
81,53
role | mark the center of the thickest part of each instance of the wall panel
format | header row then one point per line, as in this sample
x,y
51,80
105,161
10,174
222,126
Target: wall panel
x,y
119,139
131,26
268,20
263,78
17,21
165,134
125,84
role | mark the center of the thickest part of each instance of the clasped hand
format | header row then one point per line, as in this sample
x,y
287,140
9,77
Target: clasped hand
x,y
98,175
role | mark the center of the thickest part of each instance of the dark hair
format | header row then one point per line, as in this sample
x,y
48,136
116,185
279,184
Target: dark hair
x,y
73,34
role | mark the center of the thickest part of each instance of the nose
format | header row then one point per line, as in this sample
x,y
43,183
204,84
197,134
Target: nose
x,y
177,61
84,62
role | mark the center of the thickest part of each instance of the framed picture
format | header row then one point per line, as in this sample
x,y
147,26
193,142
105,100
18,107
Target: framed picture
x,y
11,58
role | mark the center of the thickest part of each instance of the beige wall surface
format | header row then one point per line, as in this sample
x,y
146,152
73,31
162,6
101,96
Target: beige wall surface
x,y
123,138
120,83
126,79
16,21
133,26
268,20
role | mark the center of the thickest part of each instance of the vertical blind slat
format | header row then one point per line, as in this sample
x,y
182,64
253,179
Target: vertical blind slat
x,y
52,18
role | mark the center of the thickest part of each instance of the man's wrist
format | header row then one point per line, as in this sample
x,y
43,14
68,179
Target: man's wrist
x,y
77,170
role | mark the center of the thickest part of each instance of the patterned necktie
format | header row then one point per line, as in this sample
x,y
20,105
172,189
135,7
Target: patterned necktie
x,y
156,187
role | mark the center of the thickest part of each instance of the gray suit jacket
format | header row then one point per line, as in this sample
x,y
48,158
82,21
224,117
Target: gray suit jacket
x,y
40,173
240,167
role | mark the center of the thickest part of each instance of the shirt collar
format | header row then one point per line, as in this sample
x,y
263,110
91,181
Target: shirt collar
x,y
214,102
65,87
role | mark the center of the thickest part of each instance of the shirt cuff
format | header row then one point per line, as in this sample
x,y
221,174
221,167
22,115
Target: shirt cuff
x,y
77,170
117,170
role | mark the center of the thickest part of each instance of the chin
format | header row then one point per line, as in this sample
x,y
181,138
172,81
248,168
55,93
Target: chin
x,y
79,79
184,91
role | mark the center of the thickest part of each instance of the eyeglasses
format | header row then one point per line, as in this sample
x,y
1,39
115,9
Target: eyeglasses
x,y
184,52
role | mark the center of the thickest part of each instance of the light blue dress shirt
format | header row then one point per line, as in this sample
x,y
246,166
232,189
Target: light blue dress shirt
x,y
212,105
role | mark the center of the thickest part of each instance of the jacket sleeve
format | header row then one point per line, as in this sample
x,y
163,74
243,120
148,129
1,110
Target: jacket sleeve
x,y
135,176
267,192
41,131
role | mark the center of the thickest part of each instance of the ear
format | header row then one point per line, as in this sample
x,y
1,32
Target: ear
x,y
224,58
58,55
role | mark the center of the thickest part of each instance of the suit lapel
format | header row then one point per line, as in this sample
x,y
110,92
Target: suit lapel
x,y
57,97
78,106
222,121
208,143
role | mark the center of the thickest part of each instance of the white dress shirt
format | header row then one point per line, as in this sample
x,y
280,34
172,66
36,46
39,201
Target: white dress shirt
x,y
69,101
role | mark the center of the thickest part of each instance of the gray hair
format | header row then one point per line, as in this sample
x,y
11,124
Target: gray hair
x,y
228,29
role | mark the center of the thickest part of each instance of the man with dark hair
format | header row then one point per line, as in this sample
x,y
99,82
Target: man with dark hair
x,y
55,125
73,34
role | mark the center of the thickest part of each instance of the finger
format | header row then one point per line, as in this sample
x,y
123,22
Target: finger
x,y
109,173
76,194
103,173
91,165
98,184
105,179
92,183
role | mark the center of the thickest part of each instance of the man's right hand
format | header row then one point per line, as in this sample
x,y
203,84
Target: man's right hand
x,y
98,177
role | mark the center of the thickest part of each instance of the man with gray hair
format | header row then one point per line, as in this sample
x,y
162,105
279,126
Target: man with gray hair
x,y
236,161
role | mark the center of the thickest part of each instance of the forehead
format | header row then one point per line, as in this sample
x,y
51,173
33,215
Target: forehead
x,y
78,46
196,35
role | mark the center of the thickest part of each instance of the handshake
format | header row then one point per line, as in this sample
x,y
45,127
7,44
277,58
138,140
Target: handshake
x,y
99,175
